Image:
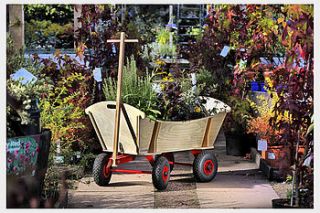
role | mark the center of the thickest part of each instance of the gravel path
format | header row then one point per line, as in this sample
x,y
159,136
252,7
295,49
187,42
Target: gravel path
x,y
281,188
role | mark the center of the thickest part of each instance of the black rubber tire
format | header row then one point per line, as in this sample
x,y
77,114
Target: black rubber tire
x,y
98,172
202,166
169,156
160,173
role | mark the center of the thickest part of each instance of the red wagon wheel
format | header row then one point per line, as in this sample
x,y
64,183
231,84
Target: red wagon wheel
x,y
161,173
205,166
101,172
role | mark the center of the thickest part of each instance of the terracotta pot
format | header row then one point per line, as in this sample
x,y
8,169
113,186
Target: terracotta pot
x,y
301,150
278,157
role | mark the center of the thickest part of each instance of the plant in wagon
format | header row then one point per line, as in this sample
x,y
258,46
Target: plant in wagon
x,y
136,90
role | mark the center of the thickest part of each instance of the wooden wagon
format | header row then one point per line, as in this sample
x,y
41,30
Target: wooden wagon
x,y
125,135
156,140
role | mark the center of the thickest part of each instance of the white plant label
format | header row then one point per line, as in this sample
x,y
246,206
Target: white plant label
x,y
262,145
225,51
271,156
24,76
97,74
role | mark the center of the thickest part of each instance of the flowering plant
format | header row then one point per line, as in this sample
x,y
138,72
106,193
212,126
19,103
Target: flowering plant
x,y
261,127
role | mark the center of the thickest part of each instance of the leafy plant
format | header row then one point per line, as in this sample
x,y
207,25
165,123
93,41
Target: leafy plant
x,y
62,110
260,124
236,121
98,23
57,13
179,105
206,82
136,90
261,127
47,35
25,95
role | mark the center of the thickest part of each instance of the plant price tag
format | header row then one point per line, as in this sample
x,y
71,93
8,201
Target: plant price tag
x,y
24,76
97,74
262,145
271,156
225,51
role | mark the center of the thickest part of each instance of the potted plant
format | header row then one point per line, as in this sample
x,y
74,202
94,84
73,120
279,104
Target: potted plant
x,y
235,126
277,154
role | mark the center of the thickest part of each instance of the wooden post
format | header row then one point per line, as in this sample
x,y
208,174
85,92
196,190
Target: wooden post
x,y
16,24
118,99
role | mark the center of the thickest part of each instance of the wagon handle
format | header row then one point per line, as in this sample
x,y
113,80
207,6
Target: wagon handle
x,y
111,106
122,42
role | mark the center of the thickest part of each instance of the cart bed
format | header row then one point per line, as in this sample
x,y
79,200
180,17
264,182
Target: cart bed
x,y
154,137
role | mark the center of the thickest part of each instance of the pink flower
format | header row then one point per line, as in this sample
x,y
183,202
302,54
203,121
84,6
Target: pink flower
x,y
22,157
27,145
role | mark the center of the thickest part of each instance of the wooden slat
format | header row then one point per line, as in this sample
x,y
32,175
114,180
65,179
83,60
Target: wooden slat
x,y
154,137
129,125
206,138
96,128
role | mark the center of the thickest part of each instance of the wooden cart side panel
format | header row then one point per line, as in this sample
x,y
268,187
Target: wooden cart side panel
x,y
206,136
213,130
145,134
97,131
179,136
104,119
170,136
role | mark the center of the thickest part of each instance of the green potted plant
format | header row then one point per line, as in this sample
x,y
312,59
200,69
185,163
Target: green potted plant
x,y
235,126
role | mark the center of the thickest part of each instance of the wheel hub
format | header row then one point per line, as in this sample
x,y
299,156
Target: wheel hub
x,y
208,167
165,173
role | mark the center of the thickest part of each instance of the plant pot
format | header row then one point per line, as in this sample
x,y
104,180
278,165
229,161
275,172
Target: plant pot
x,y
282,203
28,156
250,141
34,127
261,87
254,86
278,157
235,144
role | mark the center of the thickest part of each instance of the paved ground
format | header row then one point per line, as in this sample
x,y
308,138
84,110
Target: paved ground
x,y
238,184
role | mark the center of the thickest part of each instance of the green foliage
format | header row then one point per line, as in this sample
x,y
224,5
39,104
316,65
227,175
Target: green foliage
x,y
136,90
62,110
147,19
237,120
205,82
47,35
161,48
25,94
15,58
58,13
61,116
